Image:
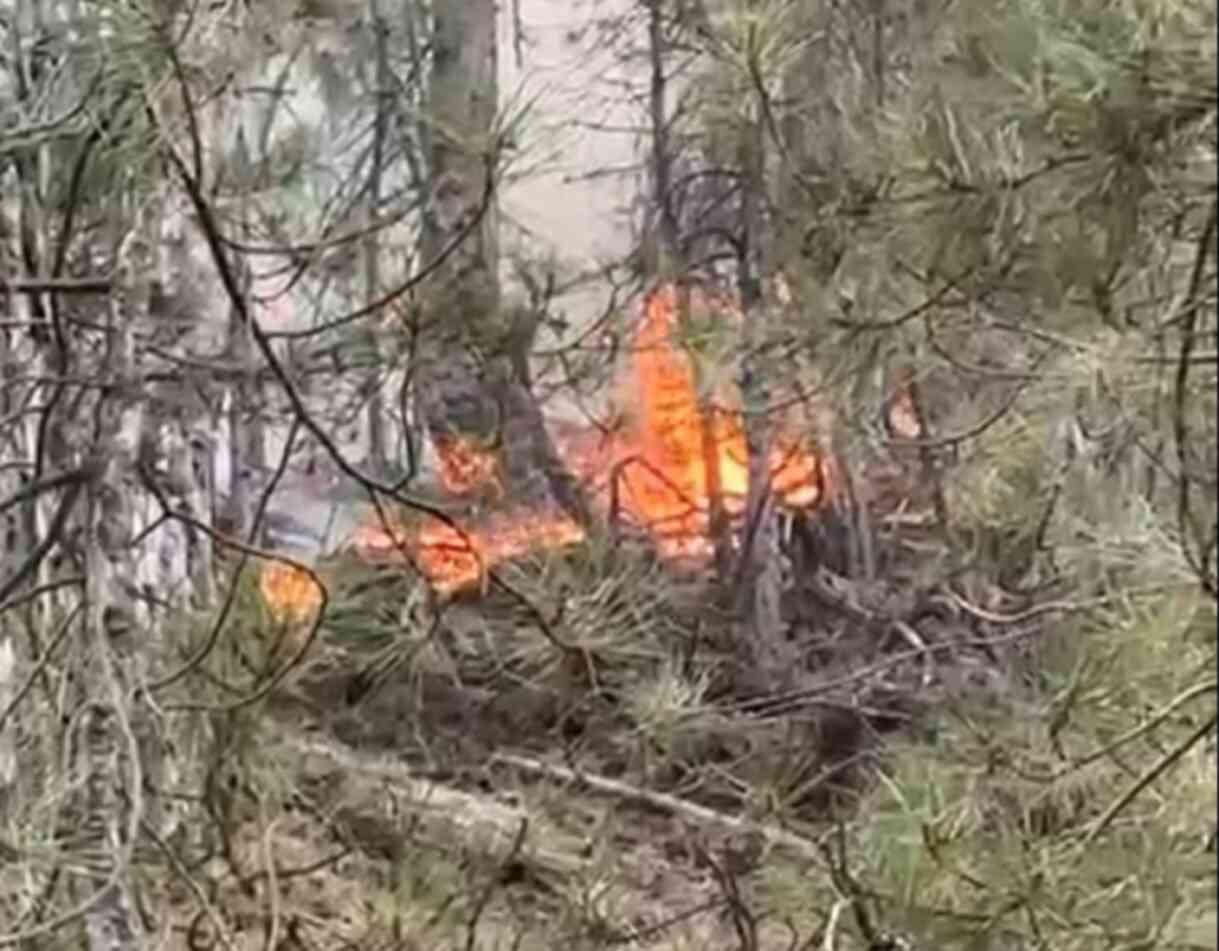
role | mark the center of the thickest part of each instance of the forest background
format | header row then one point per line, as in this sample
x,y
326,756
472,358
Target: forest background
x,y
665,473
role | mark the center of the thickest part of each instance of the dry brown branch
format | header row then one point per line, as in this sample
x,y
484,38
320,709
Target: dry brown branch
x,y
674,805
450,815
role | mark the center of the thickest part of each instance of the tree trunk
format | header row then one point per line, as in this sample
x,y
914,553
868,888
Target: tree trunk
x,y
374,410
109,761
759,575
465,386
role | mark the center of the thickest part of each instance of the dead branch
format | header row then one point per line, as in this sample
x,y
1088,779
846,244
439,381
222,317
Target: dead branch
x,y
664,802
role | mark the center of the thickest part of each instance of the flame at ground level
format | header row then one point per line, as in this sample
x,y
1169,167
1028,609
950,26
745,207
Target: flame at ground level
x,y
452,558
678,451
289,593
660,469
465,467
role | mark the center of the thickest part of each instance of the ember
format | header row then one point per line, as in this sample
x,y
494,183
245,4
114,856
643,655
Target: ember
x,y
465,467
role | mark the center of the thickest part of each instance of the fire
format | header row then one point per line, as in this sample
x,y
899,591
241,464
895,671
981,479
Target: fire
x,y
659,458
465,467
289,593
453,559
676,453
672,453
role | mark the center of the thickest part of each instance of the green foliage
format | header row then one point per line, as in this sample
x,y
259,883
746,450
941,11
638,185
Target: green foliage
x,y
1040,243
1018,203
991,837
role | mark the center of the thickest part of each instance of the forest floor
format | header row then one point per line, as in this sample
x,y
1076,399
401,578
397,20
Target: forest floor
x,y
575,758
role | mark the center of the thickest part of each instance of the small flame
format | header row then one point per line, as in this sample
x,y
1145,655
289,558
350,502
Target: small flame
x,y
289,593
452,559
465,467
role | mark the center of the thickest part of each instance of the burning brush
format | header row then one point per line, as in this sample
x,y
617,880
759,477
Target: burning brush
x,y
660,469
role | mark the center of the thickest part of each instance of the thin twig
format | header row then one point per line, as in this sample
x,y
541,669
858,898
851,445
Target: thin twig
x,y
206,906
273,896
827,941
744,922
484,899
41,664
1153,773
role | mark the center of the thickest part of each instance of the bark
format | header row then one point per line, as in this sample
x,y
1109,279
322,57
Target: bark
x,y
759,571
667,241
110,615
110,816
464,296
86,513
465,385
375,410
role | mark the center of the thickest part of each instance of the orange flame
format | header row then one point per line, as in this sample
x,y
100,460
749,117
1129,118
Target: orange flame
x,y
659,458
664,450
452,559
289,593
465,466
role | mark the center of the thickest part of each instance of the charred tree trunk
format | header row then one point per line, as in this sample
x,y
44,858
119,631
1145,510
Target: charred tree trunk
x,y
466,387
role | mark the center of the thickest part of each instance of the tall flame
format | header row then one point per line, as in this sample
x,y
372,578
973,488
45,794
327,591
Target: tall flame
x,y
673,436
